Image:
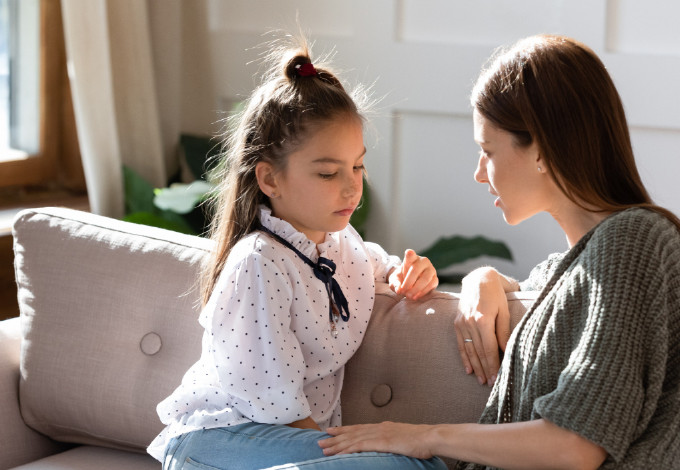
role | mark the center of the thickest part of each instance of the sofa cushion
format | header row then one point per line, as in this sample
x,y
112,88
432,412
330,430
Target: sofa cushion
x,y
109,317
408,367
89,457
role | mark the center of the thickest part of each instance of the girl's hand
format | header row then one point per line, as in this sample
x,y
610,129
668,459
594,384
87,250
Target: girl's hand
x,y
415,277
484,318
307,423
398,438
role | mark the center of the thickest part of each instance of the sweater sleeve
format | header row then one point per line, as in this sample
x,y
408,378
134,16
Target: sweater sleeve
x,y
539,276
616,339
257,356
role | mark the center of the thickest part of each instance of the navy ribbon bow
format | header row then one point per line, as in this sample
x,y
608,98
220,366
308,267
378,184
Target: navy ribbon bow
x,y
323,270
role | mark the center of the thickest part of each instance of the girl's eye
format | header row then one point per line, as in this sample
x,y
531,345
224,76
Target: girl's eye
x,y
359,168
327,176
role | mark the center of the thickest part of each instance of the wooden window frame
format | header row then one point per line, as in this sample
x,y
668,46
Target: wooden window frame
x,y
58,164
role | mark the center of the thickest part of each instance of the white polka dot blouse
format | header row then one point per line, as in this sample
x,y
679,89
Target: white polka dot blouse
x,y
269,352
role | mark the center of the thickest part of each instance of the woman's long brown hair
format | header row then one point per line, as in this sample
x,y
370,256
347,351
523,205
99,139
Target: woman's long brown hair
x,y
555,91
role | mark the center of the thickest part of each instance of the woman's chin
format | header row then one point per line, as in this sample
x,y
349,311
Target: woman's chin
x,y
509,219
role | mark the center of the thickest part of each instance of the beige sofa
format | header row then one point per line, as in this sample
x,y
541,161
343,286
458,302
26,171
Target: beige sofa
x,y
109,325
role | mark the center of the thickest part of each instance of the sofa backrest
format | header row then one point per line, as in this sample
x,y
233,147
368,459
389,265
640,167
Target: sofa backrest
x,y
109,315
408,367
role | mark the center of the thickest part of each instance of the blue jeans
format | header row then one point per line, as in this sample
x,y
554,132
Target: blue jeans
x,y
253,446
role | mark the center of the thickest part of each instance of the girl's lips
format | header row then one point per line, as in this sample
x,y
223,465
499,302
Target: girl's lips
x,y
345,212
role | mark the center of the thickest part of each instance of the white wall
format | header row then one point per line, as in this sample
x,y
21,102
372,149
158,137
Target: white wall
x,y
424,56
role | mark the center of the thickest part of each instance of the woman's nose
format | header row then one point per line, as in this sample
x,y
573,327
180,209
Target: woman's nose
x,y
480,172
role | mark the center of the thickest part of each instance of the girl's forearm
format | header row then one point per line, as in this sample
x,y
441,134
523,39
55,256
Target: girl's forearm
x,y
532,444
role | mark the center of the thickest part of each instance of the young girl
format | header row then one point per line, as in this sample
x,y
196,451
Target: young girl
x,y
289,289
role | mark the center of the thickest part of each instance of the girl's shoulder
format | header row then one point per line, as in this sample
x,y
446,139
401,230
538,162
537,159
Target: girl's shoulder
x,y
253,248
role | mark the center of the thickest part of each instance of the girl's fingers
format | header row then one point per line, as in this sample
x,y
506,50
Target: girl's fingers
x,y
424,287
420,279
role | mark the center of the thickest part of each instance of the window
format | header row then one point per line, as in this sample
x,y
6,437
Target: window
x,y
19,78
38,140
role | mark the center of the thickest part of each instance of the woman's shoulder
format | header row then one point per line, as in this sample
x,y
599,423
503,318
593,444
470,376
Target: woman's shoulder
x,y
636,228
637,241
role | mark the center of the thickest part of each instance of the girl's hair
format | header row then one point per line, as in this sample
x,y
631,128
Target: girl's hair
x,y
556,92
291,102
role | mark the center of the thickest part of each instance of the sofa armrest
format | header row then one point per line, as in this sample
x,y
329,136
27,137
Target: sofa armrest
x,y
20,444
408,367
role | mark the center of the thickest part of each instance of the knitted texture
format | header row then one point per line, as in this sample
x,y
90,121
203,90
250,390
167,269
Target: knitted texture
x,y
599,351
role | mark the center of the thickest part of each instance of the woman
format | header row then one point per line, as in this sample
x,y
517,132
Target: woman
x,y
591,375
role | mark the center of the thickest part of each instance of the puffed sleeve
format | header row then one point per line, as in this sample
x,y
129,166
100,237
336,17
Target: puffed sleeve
x,y
382,262
257,356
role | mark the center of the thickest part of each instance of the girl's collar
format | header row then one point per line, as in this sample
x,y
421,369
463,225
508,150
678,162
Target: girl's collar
x,y
298,239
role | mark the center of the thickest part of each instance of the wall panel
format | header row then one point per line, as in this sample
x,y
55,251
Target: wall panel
x,y
422,57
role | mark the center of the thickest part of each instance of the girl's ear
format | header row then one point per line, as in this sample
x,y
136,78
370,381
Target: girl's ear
x,y
266,178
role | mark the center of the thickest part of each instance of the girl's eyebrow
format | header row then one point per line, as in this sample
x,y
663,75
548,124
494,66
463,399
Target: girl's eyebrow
x,y
335,160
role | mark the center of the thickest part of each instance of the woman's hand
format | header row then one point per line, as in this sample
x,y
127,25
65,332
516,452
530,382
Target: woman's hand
x,y
531,444
483,322
398,438
415,277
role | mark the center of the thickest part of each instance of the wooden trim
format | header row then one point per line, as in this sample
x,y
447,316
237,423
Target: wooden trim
x,y
9,307
58,164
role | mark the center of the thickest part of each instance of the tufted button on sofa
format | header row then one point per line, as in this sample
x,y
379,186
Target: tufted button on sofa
x,y
109,325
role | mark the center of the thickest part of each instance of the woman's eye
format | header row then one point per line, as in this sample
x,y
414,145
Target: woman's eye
x,y
327,176
359,168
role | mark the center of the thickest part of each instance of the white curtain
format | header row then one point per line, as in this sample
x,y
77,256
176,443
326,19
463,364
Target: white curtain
x,y
111,62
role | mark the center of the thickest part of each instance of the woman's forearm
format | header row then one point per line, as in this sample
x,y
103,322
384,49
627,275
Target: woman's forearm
x,y
533,444
488,274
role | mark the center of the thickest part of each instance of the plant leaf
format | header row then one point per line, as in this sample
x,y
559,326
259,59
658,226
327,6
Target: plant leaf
x,y
455,278
138,192
360,216
181,198
456,249
199,153
147,218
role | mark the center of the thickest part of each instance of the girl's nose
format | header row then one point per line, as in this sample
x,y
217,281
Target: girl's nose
x,y
353,185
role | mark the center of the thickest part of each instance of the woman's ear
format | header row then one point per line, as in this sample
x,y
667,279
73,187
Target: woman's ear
x,y
266,179
540,164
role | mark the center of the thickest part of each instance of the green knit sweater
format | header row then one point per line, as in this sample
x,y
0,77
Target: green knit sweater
x,y
599,351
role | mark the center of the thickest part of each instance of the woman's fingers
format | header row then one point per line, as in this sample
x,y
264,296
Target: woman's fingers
x,y
477,345
400,438
460,339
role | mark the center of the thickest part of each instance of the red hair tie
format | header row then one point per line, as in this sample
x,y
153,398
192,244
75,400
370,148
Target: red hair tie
x,y
305,70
